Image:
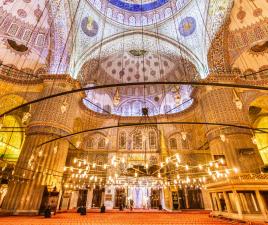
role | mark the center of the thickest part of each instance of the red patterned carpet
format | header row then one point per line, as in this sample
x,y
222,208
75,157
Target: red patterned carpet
x,y
118,218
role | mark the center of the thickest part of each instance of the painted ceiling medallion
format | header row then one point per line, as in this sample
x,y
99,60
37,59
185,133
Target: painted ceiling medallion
x,y
257,12
90,26
38,12
241,15
22,13
187,26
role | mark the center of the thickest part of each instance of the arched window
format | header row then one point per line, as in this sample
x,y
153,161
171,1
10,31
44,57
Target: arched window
x,y
101,143
27,35
167,108
13,29
153,160
40,40
152,140
137,140
122,140
90,143
173,143
99,160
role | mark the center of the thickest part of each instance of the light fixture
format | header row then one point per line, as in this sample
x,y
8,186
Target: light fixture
x,y
238,104
77,144
236,170
55,149
184,135
26,117
64,106
254,140
237,101
40,153
177,98
223,137
116,99
178,158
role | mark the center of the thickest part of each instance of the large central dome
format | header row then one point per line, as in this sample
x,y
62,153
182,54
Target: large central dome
x,y
138,13
137,5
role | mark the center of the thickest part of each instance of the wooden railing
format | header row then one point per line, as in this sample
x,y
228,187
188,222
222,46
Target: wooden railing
x,y
14,75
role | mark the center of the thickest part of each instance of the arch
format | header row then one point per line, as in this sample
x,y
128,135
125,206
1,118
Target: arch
x,y
11,142
77,126
173,144
152,140
258,113
90,143
101,143
135,38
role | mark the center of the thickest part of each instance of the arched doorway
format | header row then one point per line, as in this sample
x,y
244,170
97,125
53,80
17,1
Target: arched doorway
x,y
258,112
11,138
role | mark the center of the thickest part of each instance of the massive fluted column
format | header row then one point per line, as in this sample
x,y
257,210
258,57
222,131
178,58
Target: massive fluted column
x,y
37,166
234,143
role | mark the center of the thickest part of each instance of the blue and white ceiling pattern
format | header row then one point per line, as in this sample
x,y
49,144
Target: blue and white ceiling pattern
x,y
169,28
139,12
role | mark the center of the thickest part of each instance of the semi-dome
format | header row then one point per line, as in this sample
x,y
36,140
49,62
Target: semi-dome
x,y
135,66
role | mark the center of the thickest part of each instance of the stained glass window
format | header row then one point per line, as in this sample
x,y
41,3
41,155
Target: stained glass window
x,y
152,139
122,140
173,143
137,140
101,143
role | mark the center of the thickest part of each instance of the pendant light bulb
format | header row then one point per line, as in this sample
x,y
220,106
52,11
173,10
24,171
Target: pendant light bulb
x,y
116,99
254,140
64,107
223,137
184,135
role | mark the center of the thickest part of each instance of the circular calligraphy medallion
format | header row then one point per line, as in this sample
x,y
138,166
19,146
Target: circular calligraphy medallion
x,y
187,26
90,26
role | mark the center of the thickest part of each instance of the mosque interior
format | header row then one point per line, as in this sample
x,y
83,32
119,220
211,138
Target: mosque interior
x,y
143,104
